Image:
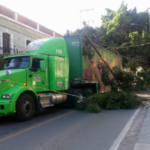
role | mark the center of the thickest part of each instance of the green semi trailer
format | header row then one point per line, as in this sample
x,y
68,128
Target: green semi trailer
x,y
47,70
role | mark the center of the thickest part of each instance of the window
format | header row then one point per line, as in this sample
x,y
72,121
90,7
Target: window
x,y
6,43
28,42
36,63
16,62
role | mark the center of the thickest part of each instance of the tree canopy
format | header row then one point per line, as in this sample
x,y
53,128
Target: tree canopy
x,y
127,30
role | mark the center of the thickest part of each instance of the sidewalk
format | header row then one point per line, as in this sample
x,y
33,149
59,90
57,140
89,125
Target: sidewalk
x,y
138,136
143,141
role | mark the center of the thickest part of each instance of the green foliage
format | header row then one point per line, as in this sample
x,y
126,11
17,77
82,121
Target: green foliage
x,y
92,108
124,79
94,34
143,78
118,74
136,39
115,26
126,85
111,100
117,100
140,82
121,28
105,76
88,105
132,66
117,31
2,61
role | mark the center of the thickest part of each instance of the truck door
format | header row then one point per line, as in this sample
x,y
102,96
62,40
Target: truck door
x,y
38,79
58,73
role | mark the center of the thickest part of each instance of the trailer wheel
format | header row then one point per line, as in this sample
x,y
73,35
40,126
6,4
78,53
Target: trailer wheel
x,y
25,107
76,100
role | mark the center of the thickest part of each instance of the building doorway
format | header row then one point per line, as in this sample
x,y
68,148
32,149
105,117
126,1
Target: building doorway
x,y
6,43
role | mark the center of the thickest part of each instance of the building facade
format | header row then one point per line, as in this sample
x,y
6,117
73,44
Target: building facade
x,y
17,31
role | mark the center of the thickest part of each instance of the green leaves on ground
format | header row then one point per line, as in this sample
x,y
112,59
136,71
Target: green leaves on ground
x,y
109,101
117,100
88,105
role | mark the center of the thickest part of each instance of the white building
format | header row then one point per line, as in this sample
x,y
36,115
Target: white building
x,y
17,31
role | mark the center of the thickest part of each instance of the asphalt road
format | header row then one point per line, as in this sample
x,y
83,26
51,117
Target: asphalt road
x,y
63,129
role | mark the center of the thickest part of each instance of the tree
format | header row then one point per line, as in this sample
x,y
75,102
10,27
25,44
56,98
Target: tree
x,y
117,31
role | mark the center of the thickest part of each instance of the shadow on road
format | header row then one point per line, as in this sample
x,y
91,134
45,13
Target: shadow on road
x,y
38,116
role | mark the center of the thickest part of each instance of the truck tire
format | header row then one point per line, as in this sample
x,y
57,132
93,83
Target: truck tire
x,y
25,107
75,100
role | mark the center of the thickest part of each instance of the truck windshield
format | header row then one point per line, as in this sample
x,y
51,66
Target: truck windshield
x,y
16,62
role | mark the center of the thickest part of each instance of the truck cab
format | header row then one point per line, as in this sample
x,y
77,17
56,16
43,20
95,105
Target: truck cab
x,y
29,80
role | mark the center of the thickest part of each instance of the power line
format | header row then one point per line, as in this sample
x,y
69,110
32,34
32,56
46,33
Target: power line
x,y
128,58
13,29
81,19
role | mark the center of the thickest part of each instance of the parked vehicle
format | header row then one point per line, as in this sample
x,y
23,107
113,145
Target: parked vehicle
x,y
45,73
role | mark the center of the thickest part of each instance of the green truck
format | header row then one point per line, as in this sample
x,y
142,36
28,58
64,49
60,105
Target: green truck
x,y
45,73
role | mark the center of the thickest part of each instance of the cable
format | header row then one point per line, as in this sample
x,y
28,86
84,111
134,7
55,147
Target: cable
x,y
128,58
21,24
43,89
126,46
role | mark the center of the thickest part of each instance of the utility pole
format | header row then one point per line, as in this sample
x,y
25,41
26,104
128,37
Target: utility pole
x,y
86,20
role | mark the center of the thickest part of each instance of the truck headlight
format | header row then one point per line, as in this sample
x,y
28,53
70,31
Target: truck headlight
x,y
6,96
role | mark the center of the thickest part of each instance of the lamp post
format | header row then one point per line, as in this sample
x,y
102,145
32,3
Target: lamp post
x,y
134,24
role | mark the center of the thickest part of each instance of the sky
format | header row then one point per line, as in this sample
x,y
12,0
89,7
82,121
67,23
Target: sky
x,y
60,15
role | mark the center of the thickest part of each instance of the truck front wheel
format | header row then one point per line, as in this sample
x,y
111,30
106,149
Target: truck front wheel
x,y
25,107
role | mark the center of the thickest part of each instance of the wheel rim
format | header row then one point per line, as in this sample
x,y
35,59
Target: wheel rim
x,y
27,108
79,98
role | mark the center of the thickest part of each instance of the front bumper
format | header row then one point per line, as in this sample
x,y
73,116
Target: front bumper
x,y
7,108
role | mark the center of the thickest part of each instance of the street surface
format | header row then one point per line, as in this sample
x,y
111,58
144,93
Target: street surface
x,y
61,128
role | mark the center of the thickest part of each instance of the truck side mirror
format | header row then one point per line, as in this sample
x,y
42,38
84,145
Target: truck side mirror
x,y
42,66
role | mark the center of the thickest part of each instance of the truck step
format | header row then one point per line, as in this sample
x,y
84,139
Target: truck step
x,y
45,100
44,106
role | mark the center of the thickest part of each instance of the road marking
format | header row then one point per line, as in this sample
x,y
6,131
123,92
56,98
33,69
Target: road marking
x,y
117,142
30,128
